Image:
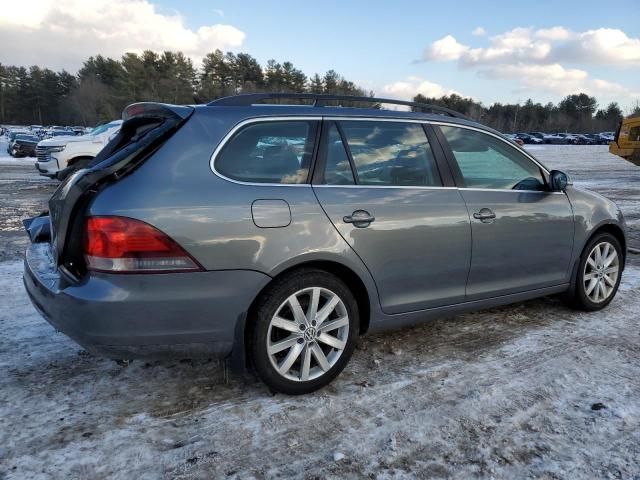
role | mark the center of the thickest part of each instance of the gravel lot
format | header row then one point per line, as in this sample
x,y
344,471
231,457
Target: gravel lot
x,y
532,389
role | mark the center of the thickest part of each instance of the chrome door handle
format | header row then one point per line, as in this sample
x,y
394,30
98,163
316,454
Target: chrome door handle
x,y
484,214
359,218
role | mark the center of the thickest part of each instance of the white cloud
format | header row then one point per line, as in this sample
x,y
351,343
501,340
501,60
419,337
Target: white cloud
x,y
63,33
603,46
479,32
536,59
558,80
445,49
409,88
553,33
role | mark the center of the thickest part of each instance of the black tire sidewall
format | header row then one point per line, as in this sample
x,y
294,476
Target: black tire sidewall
x,y
581,297
266,308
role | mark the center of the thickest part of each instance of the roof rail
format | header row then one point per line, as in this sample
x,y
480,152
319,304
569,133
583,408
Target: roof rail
x,y
321,99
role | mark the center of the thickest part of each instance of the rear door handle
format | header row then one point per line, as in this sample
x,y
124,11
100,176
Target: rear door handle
x,y
359,218
484,214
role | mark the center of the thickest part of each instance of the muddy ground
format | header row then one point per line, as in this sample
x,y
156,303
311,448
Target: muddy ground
x,y
529,390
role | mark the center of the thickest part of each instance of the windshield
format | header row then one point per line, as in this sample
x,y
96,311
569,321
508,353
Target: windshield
x,y
27,137
12,135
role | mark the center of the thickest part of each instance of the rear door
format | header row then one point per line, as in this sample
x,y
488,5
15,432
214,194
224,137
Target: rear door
x,y
391,196
522,232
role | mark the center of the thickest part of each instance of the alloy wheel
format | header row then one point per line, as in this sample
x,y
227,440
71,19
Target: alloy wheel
x,y
601,272
308,334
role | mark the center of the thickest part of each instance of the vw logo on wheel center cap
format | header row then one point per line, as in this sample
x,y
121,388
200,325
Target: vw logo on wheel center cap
x,y
310,334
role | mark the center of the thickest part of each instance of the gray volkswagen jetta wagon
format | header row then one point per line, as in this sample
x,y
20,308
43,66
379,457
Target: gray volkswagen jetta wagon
x,y
277,234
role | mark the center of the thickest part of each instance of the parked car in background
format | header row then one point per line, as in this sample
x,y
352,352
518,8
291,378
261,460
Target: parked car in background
x,y
514,138
59,132
12,133
278,234
593,138
23,145
56,154
560,139
529,139
78,130
581,139
608,136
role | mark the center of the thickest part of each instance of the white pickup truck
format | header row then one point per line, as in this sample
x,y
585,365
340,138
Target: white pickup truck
x,y
58,153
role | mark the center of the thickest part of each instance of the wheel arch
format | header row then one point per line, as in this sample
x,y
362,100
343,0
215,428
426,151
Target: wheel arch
x,y
613,229
605,227
241,354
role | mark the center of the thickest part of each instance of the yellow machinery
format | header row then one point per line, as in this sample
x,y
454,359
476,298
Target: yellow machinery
x,y
627,141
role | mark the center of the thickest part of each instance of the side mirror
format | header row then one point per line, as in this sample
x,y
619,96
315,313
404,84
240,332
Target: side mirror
x,y
558,181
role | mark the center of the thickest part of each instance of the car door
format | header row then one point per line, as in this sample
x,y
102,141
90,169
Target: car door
x,y
381,184
522,232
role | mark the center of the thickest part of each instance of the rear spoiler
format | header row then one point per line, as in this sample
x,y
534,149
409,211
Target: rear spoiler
x,y
153,109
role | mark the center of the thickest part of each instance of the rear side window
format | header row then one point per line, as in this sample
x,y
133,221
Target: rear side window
x,y
488,162
390,153
269,152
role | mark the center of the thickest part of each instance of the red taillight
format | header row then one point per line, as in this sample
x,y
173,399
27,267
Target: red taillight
x,y
121,244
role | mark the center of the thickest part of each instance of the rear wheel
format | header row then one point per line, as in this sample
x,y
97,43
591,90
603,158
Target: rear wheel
x,y
599,273
305,331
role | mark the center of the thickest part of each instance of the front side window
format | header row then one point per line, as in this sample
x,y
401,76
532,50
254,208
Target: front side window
x,y
390,153
337,170
634,134
269,152
488,162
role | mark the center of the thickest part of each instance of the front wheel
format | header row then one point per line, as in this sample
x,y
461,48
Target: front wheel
x,y
599,273
305,330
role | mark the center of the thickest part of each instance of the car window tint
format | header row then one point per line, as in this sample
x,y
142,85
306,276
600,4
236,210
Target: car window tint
x,y
391,153
337,168
488,162
269,152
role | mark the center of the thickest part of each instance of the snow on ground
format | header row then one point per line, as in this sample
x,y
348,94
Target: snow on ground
x,y
533,389
506,392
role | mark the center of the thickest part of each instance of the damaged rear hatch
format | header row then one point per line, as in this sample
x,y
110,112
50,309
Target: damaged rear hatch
x,y
145,128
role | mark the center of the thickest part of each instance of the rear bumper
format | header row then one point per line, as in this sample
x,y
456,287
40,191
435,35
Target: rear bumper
x,y
143,316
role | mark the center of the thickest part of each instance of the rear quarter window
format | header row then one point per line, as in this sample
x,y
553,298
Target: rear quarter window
x,y
269,152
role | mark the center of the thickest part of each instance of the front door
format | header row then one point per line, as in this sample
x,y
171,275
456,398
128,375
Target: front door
x,y
380,184
522,232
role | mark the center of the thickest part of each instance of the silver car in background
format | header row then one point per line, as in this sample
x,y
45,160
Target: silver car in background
x,y
277,234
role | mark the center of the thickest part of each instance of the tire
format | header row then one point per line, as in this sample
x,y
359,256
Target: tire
x,y
275,321
586,293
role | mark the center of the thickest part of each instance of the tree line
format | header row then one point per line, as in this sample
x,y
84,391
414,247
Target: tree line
x,y
577,113
104,86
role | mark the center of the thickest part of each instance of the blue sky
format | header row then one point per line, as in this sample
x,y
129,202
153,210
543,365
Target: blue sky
x,y
542,50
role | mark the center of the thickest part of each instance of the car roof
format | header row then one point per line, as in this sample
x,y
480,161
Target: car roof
x,y
279,110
